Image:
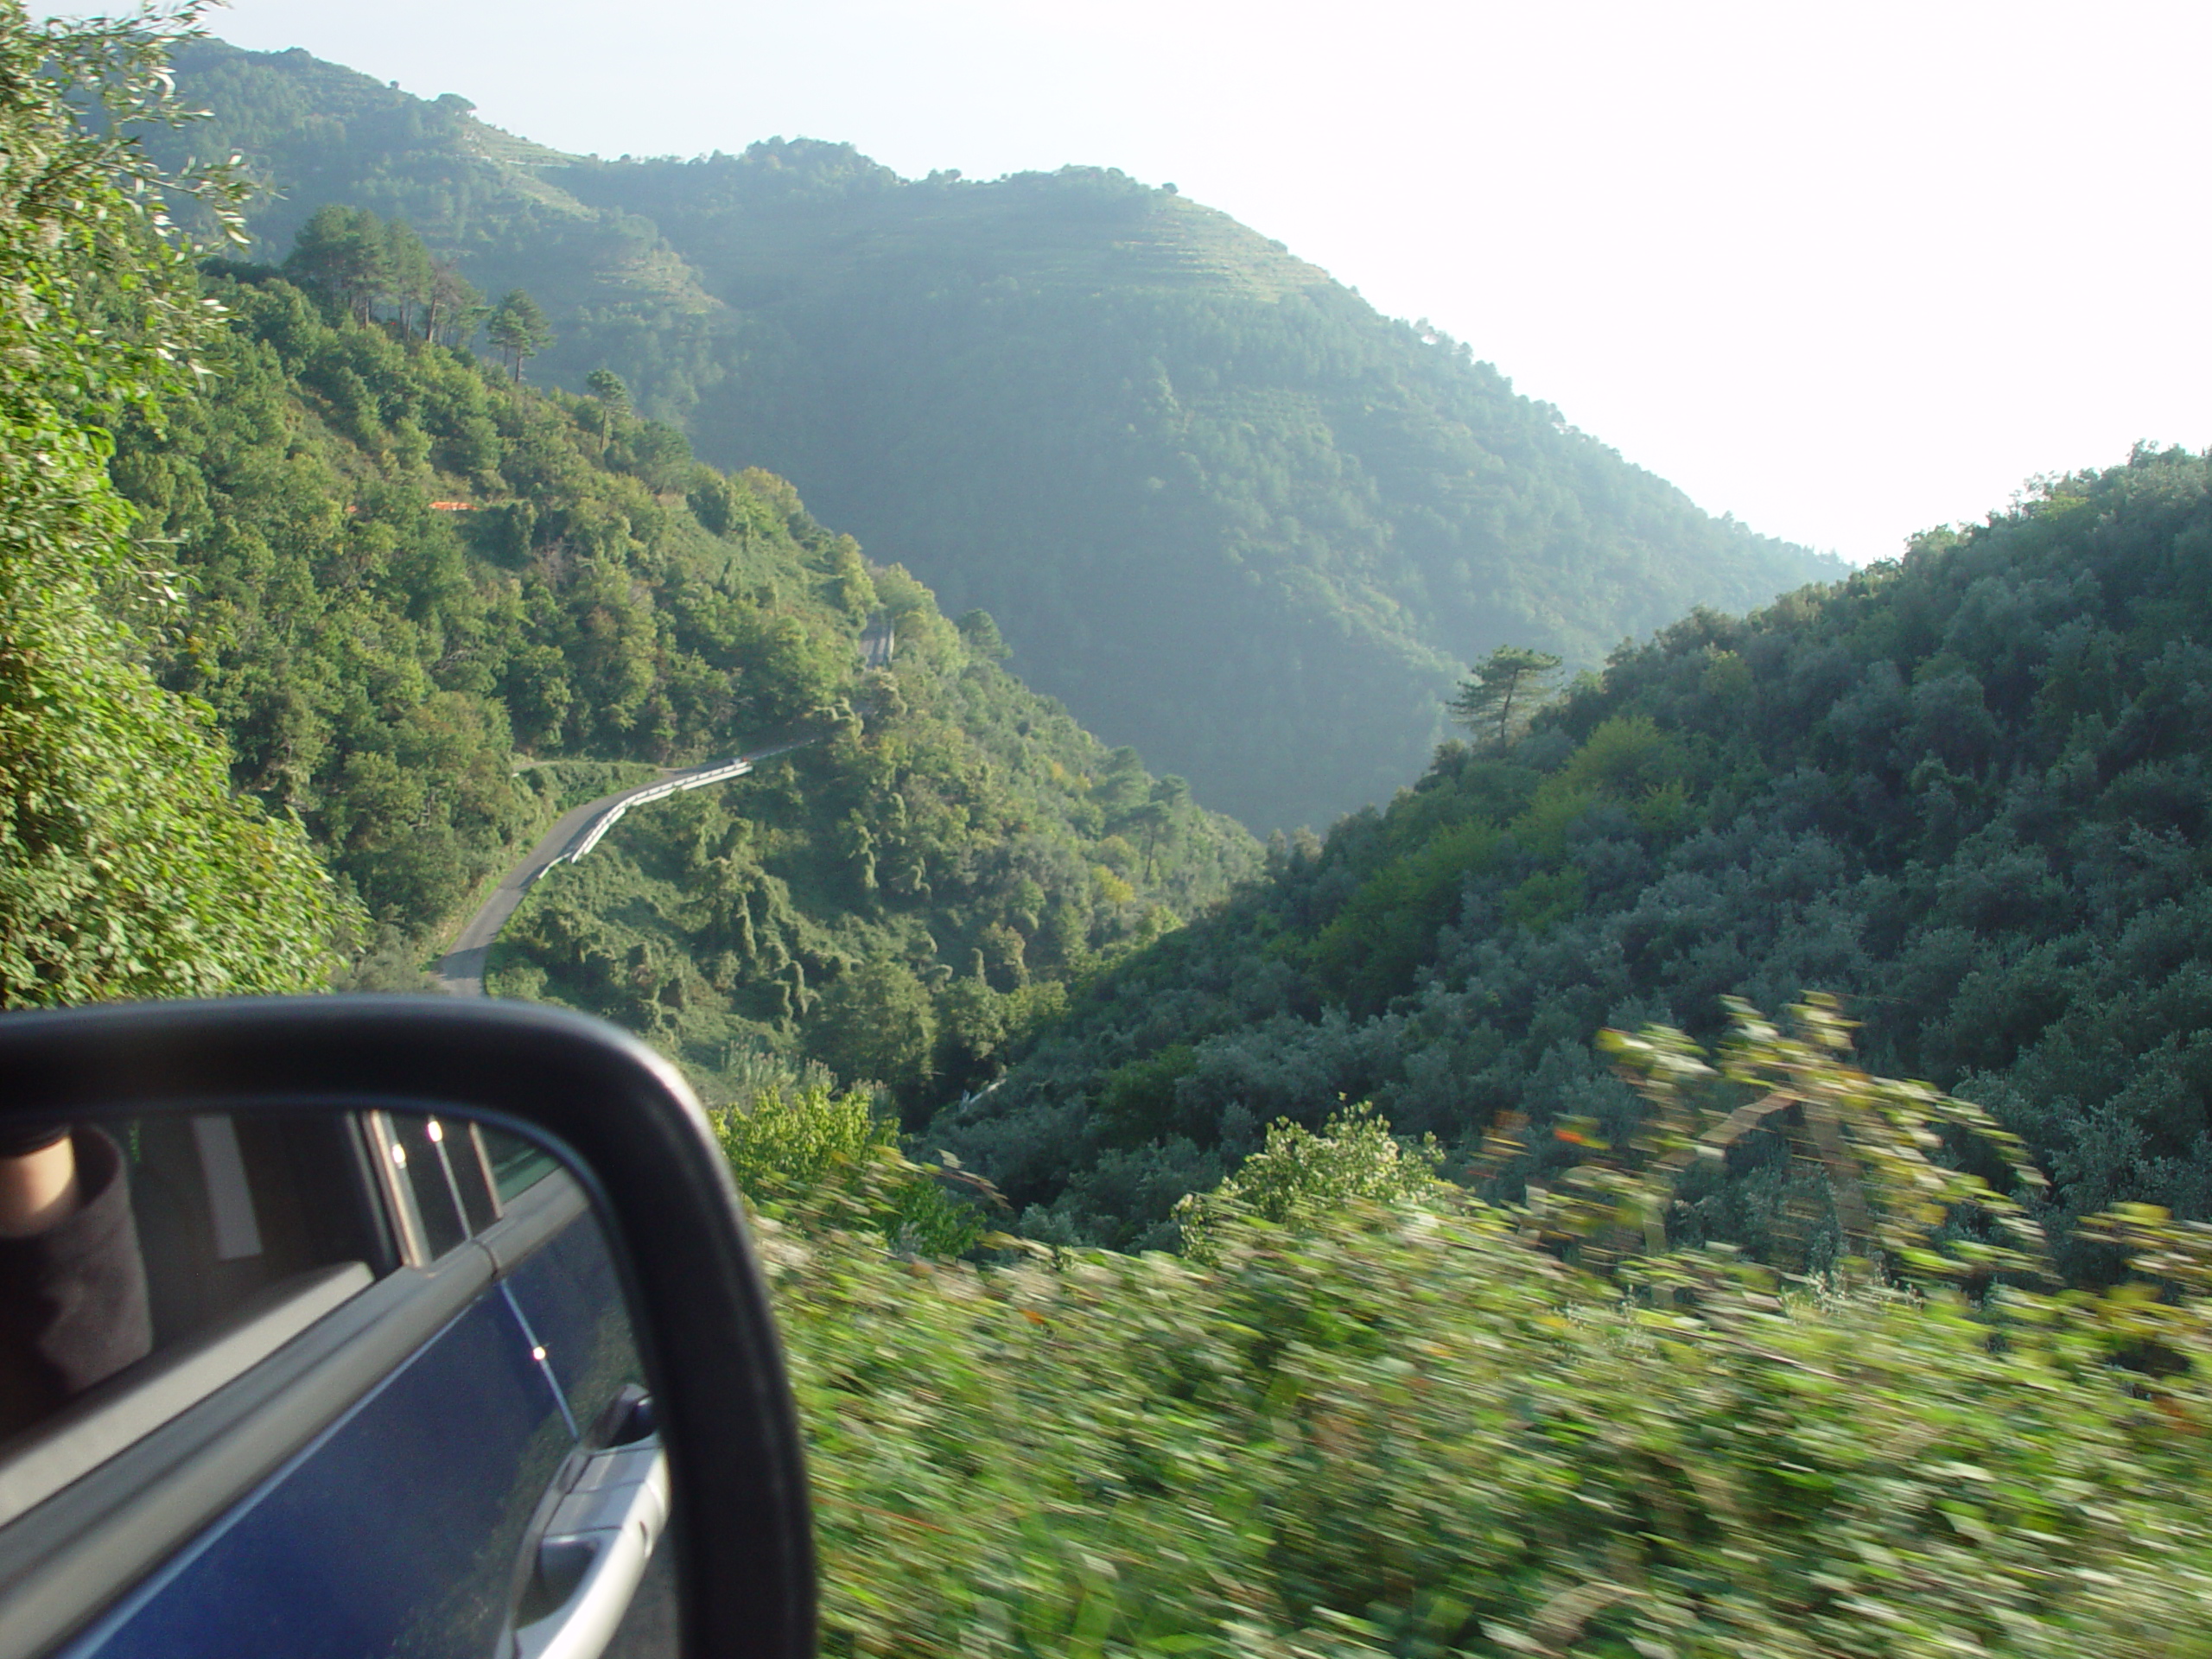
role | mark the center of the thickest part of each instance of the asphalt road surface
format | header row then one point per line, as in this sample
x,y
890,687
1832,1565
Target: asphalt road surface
x,y
461,971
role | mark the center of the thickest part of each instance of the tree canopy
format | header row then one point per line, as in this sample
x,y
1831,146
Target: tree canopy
x,y
431,608
1504,692
1739,1349
127,866
1966,791
517,330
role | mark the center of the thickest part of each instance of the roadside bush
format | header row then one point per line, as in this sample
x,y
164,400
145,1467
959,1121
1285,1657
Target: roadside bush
x,y
1408,1428
797,1148
1299,1179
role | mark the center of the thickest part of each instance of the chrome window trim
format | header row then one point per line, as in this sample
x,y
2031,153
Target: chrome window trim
x,y
389,1154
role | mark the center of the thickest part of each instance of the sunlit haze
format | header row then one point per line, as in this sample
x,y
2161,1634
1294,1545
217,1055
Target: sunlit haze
x,y
1845,272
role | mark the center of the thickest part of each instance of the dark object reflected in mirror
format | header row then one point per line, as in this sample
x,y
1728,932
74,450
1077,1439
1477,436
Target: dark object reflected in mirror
x,y
74,1308
304,1351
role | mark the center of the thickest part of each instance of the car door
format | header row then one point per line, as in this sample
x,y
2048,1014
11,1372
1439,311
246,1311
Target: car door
x,y
395,1407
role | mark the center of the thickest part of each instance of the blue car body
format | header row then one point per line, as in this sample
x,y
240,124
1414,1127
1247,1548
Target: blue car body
x,y
473,1445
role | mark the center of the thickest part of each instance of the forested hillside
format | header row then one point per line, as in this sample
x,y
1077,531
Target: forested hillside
x,y
1219,506
1367,1411
127,866
429,607
1967,791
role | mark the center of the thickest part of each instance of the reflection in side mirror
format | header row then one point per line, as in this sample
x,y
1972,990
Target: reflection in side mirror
x,y
313,1363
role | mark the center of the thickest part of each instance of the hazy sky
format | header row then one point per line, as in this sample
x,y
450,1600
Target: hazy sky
x,y
1845,271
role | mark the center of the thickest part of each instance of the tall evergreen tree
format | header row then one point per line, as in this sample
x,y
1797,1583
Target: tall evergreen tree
x,y
411,277
517,330
613,396
452,307
1507,687
345,255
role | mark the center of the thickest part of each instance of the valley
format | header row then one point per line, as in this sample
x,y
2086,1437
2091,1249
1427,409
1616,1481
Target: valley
x,y
1218,506
1050,963
1261,1142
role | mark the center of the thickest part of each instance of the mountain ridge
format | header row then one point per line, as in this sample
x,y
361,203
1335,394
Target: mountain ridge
x,y
430,610
1219,506
1965,791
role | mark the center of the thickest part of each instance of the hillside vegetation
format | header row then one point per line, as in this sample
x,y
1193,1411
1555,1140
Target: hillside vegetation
x,y
1369,1412
1217,504
1967,791
1377,1418
428,608
127,866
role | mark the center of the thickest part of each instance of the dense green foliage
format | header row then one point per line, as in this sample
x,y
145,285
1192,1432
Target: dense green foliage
x,y
127,868
405,570
1299,1179
402,571
1277,523
1967,791
1501,695
1408,1429
907,898
1368,1414
1222,508
797,1146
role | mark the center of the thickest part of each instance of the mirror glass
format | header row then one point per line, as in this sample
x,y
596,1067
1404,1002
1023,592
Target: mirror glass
x,y
325,1381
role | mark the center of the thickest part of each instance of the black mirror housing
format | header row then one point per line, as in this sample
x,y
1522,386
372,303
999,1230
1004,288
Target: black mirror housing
x,y
631,1133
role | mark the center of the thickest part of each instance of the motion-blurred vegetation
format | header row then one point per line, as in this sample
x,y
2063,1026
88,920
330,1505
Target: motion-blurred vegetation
x,y
1410,1425
1746,1353
799,1146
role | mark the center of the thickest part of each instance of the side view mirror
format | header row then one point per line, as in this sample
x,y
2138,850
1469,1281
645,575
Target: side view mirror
x,y
376,1325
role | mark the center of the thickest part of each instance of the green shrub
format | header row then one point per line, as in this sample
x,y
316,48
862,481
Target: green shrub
x,y
1408,1428
1300,1179
800,1150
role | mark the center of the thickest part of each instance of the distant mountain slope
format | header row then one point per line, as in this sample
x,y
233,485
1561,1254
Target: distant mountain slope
x,y
313,133
428,610
1218,504
1971,792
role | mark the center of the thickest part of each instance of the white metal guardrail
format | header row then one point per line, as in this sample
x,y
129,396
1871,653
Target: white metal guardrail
x,y
613,815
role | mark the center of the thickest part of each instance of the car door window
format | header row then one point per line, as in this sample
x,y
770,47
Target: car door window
x,y
197,1246
438,1179
229,1208
449,1294
517,1165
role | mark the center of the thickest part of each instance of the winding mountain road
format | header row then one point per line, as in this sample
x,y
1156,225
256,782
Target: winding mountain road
x,y
461,971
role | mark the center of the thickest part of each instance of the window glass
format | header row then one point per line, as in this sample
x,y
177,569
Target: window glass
x,y
227,1208
140,1258
471,1164
144,1262
426,1210
517,1165
438,1177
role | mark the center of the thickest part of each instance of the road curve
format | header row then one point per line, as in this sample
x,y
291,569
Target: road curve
x,y
461,971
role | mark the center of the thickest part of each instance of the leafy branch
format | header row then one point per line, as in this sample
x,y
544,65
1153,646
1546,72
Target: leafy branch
x,y
1886,1147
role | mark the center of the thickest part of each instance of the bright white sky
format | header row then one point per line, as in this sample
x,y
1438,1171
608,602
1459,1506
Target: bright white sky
x,y
1845,271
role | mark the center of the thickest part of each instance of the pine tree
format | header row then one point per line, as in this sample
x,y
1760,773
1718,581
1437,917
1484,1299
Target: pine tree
x,y
1506,688
613,396
519,330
